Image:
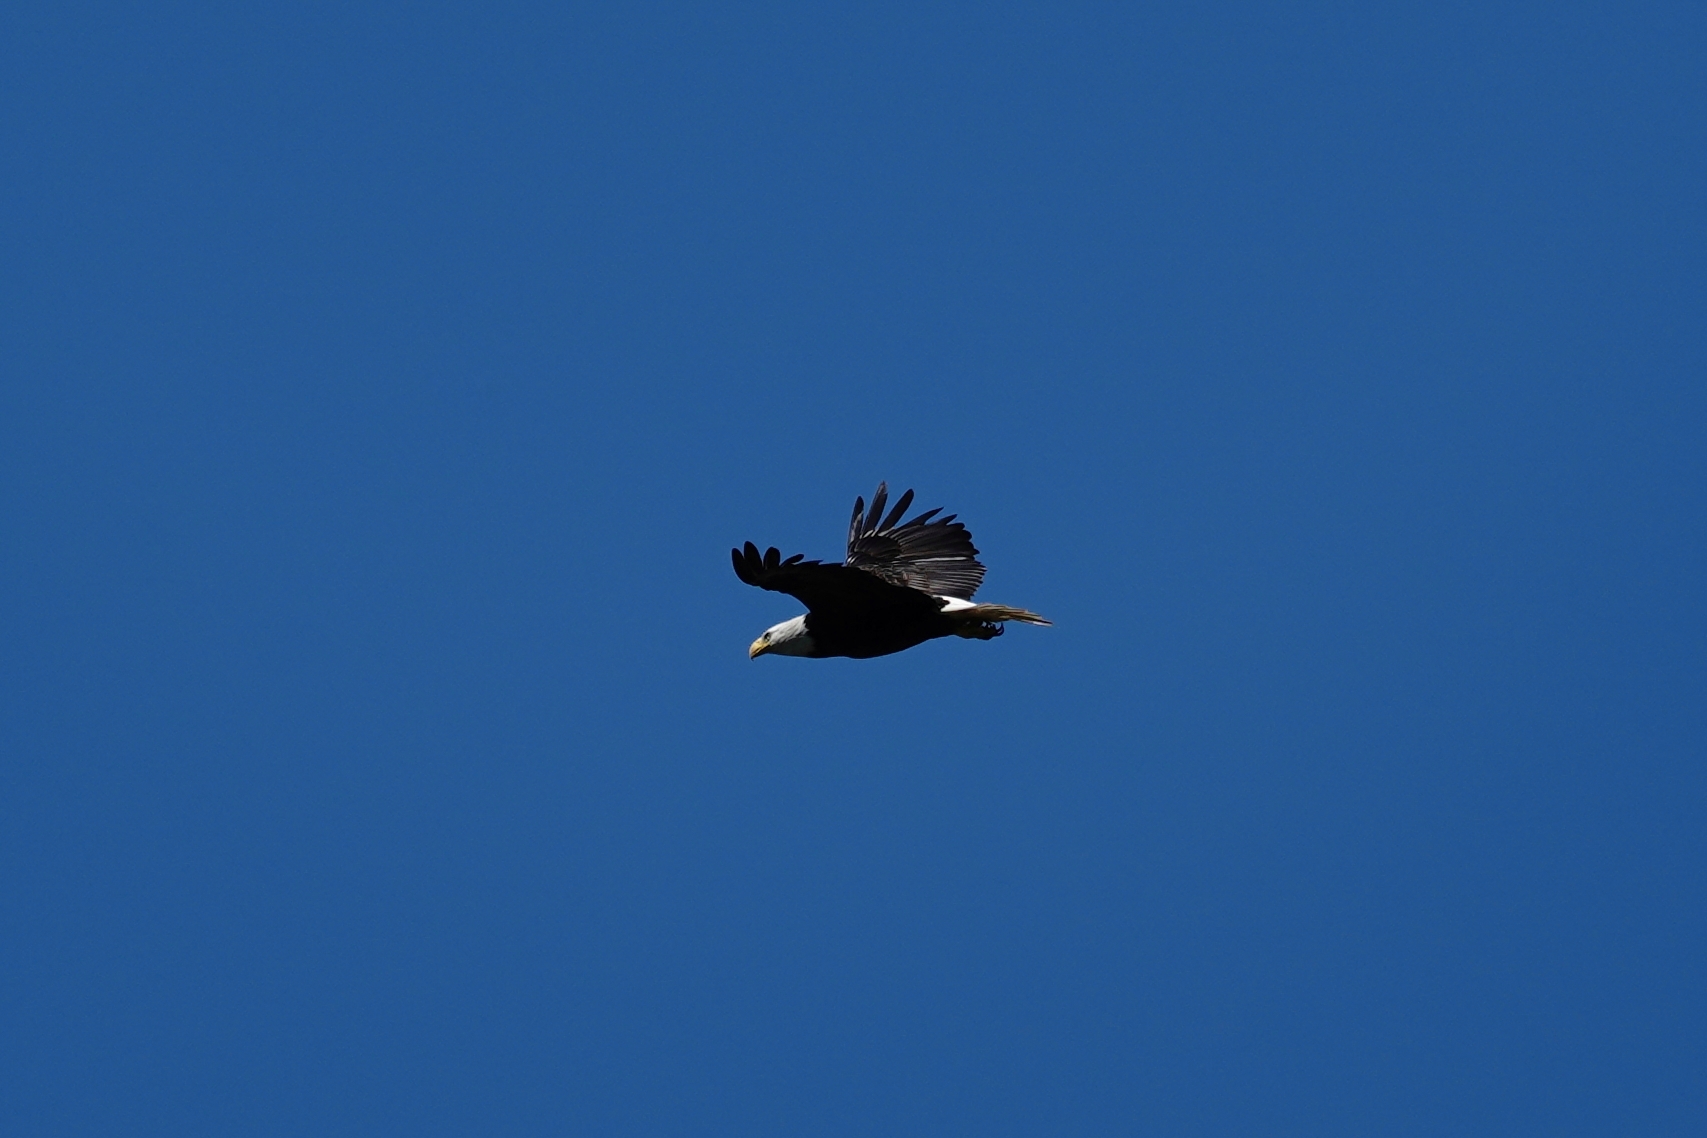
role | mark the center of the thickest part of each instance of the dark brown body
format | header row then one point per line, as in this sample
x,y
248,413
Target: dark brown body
x,y
878,632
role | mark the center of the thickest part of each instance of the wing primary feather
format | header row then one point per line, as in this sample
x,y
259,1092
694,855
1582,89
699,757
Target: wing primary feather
x,y
773,557
877,501
895,515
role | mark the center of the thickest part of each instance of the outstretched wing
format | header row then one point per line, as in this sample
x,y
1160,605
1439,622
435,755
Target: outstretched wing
x,y
817,585
935,557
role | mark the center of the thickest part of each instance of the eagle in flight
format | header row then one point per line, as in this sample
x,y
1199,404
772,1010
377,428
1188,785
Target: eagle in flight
x,y
900,585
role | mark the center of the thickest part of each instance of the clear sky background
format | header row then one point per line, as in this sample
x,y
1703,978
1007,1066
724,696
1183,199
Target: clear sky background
x,y
383,387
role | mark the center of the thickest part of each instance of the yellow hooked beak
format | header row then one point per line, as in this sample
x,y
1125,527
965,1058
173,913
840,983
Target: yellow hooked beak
x,y
759,647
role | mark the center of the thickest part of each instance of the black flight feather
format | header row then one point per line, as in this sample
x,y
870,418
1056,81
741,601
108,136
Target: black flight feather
x,y
895,514
934,557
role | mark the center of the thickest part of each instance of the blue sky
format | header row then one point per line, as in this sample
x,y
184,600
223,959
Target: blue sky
x,y
384,387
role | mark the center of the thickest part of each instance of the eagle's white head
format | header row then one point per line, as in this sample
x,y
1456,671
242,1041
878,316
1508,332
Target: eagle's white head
x,y
789,638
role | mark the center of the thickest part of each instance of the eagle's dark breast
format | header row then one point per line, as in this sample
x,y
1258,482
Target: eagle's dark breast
x,y
876,630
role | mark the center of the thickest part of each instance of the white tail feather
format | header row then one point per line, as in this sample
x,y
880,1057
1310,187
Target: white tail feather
x,y
966,612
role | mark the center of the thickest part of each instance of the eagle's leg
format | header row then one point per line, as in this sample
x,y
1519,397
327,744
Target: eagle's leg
x,y
980,631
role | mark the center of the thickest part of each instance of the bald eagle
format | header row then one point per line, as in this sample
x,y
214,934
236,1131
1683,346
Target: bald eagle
x,y
901,585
